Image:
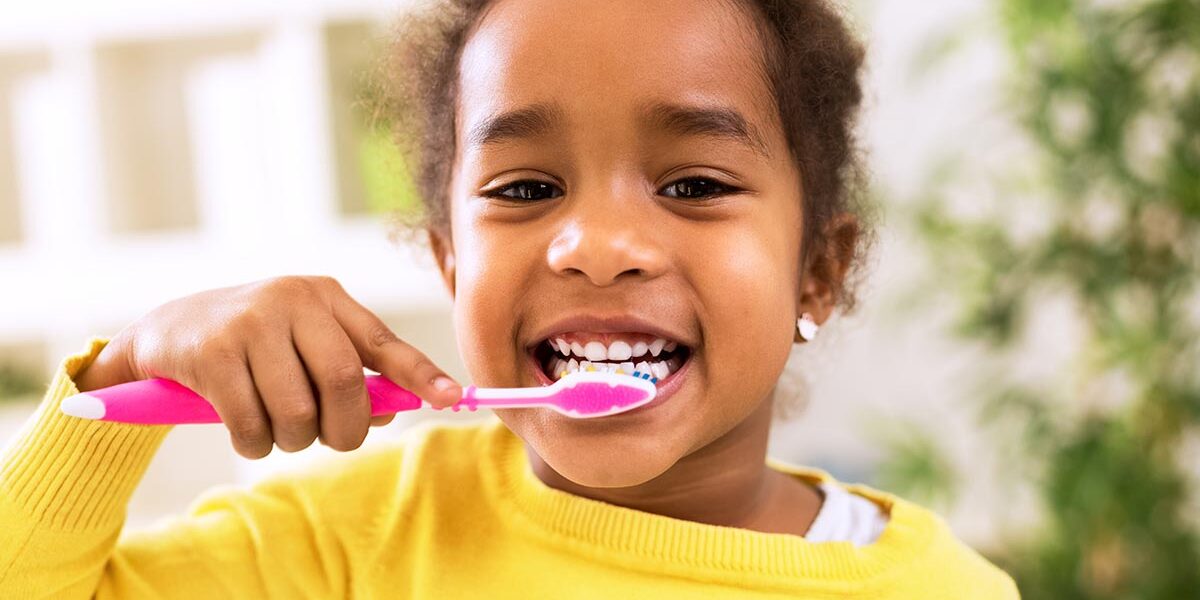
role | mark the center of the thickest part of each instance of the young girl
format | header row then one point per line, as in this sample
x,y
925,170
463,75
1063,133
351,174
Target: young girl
x,y
615,181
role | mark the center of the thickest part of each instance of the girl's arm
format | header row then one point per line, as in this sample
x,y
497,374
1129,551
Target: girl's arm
x,y
64,487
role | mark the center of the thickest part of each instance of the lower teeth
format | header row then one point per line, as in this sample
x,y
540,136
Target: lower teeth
x,y
656,370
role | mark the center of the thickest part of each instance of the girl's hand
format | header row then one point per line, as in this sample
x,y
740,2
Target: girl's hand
x,y
281,361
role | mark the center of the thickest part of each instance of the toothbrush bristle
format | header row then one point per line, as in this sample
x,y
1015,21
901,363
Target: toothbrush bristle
x,y
598,393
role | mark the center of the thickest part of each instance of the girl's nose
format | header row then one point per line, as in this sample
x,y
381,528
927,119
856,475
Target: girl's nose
x,y
605,246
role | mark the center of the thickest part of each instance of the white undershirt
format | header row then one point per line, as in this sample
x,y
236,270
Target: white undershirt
x,y
846,517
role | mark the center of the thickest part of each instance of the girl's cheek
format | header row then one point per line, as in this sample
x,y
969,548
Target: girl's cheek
x,y
750,276
490,269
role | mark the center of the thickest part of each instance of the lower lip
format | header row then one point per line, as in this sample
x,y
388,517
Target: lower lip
x,y
665,388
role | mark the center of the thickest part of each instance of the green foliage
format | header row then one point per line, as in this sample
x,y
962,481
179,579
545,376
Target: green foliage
x,y
17,384
385,178
915,466
1099,208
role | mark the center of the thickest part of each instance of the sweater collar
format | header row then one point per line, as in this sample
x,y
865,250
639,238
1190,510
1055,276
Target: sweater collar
x,y
642,540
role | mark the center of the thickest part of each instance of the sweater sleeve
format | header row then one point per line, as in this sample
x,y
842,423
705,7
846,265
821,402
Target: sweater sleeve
x,y
64,487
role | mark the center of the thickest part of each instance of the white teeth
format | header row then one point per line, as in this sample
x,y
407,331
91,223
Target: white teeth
x,y
619,350
660,370
595,351
595,356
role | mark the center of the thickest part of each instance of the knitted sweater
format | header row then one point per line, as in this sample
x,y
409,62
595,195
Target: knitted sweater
x,y
448,510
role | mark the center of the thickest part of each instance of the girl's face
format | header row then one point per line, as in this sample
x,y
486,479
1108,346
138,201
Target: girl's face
x,y
621,176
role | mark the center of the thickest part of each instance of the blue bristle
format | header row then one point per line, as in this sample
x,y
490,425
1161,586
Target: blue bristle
x,y
654,380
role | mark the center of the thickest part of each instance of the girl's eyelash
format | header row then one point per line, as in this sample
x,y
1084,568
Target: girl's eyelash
x,y
525,190
707,188
532,190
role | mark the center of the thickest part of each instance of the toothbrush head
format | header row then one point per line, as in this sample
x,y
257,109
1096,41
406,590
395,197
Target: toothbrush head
x,y
587,394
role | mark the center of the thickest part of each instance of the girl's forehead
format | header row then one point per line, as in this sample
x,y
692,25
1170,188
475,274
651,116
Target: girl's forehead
x,y
594,57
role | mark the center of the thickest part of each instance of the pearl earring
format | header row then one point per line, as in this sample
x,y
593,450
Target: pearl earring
x,y
807,327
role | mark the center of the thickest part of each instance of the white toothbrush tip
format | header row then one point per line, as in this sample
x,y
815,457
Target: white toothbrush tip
x,y
83,406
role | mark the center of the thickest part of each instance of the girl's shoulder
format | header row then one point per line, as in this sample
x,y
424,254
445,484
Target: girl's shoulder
x,y
917,540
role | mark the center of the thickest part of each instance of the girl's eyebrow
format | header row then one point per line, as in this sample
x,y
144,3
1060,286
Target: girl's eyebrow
x,y
523,123
711,121
540,119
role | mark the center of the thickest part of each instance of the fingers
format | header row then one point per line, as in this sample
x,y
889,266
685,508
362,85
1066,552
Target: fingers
x,y
381,420
393,358
286,392
227,384
335,369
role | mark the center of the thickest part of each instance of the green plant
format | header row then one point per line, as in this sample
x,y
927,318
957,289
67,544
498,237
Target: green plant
x,y
1098,210
18,384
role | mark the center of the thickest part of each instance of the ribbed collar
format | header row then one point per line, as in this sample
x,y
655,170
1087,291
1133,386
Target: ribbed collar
x,y
660,544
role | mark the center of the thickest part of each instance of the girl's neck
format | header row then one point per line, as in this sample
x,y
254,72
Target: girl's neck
x,y
724,483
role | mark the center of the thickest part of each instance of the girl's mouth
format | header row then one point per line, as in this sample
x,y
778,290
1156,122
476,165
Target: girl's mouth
x,y
640,354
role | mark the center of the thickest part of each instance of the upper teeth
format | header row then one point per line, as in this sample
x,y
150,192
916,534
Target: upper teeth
x,y
616,350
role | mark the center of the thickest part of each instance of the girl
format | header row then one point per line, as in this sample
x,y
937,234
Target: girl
x,y
663,182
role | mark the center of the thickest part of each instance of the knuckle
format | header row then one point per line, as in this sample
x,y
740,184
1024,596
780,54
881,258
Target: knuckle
x,y
345,379
287,286
380,336
258,313
298,413
249,432
295,443
345,443
218,353
324,282
253,453
417,363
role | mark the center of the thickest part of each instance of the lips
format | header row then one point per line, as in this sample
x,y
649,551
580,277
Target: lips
x,y
617,344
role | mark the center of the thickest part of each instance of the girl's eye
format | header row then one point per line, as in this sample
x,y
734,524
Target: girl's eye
x,y
528,190
695,188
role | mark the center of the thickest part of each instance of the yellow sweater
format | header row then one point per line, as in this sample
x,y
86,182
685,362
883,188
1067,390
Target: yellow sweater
x,y
447,511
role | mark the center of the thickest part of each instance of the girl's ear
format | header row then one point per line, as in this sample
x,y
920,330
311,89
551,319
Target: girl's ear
x,y
827,268
443,251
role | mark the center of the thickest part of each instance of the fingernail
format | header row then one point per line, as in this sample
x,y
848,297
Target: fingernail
x,y
443,383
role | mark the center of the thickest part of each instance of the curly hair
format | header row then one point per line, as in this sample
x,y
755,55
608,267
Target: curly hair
x,y
813,63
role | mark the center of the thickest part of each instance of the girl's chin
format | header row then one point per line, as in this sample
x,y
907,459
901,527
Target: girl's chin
x,y
605,465
610,475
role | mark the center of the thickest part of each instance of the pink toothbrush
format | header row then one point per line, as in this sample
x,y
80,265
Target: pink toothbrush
x,y
165,402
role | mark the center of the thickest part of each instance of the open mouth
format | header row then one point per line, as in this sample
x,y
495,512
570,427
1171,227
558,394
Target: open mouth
x,y
640,354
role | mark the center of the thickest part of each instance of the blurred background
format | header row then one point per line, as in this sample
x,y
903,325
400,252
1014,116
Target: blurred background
x,y
1024,360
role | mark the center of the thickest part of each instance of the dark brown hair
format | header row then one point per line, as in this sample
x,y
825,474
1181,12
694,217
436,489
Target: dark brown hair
x,y
813,64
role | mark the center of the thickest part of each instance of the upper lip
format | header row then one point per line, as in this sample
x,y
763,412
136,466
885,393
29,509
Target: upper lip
x,y
617,323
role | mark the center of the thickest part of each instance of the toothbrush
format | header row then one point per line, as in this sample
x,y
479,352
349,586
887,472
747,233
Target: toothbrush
x,y
165,402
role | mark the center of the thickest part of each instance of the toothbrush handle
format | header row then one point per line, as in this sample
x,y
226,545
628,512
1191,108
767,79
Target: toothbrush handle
x,y
165,402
